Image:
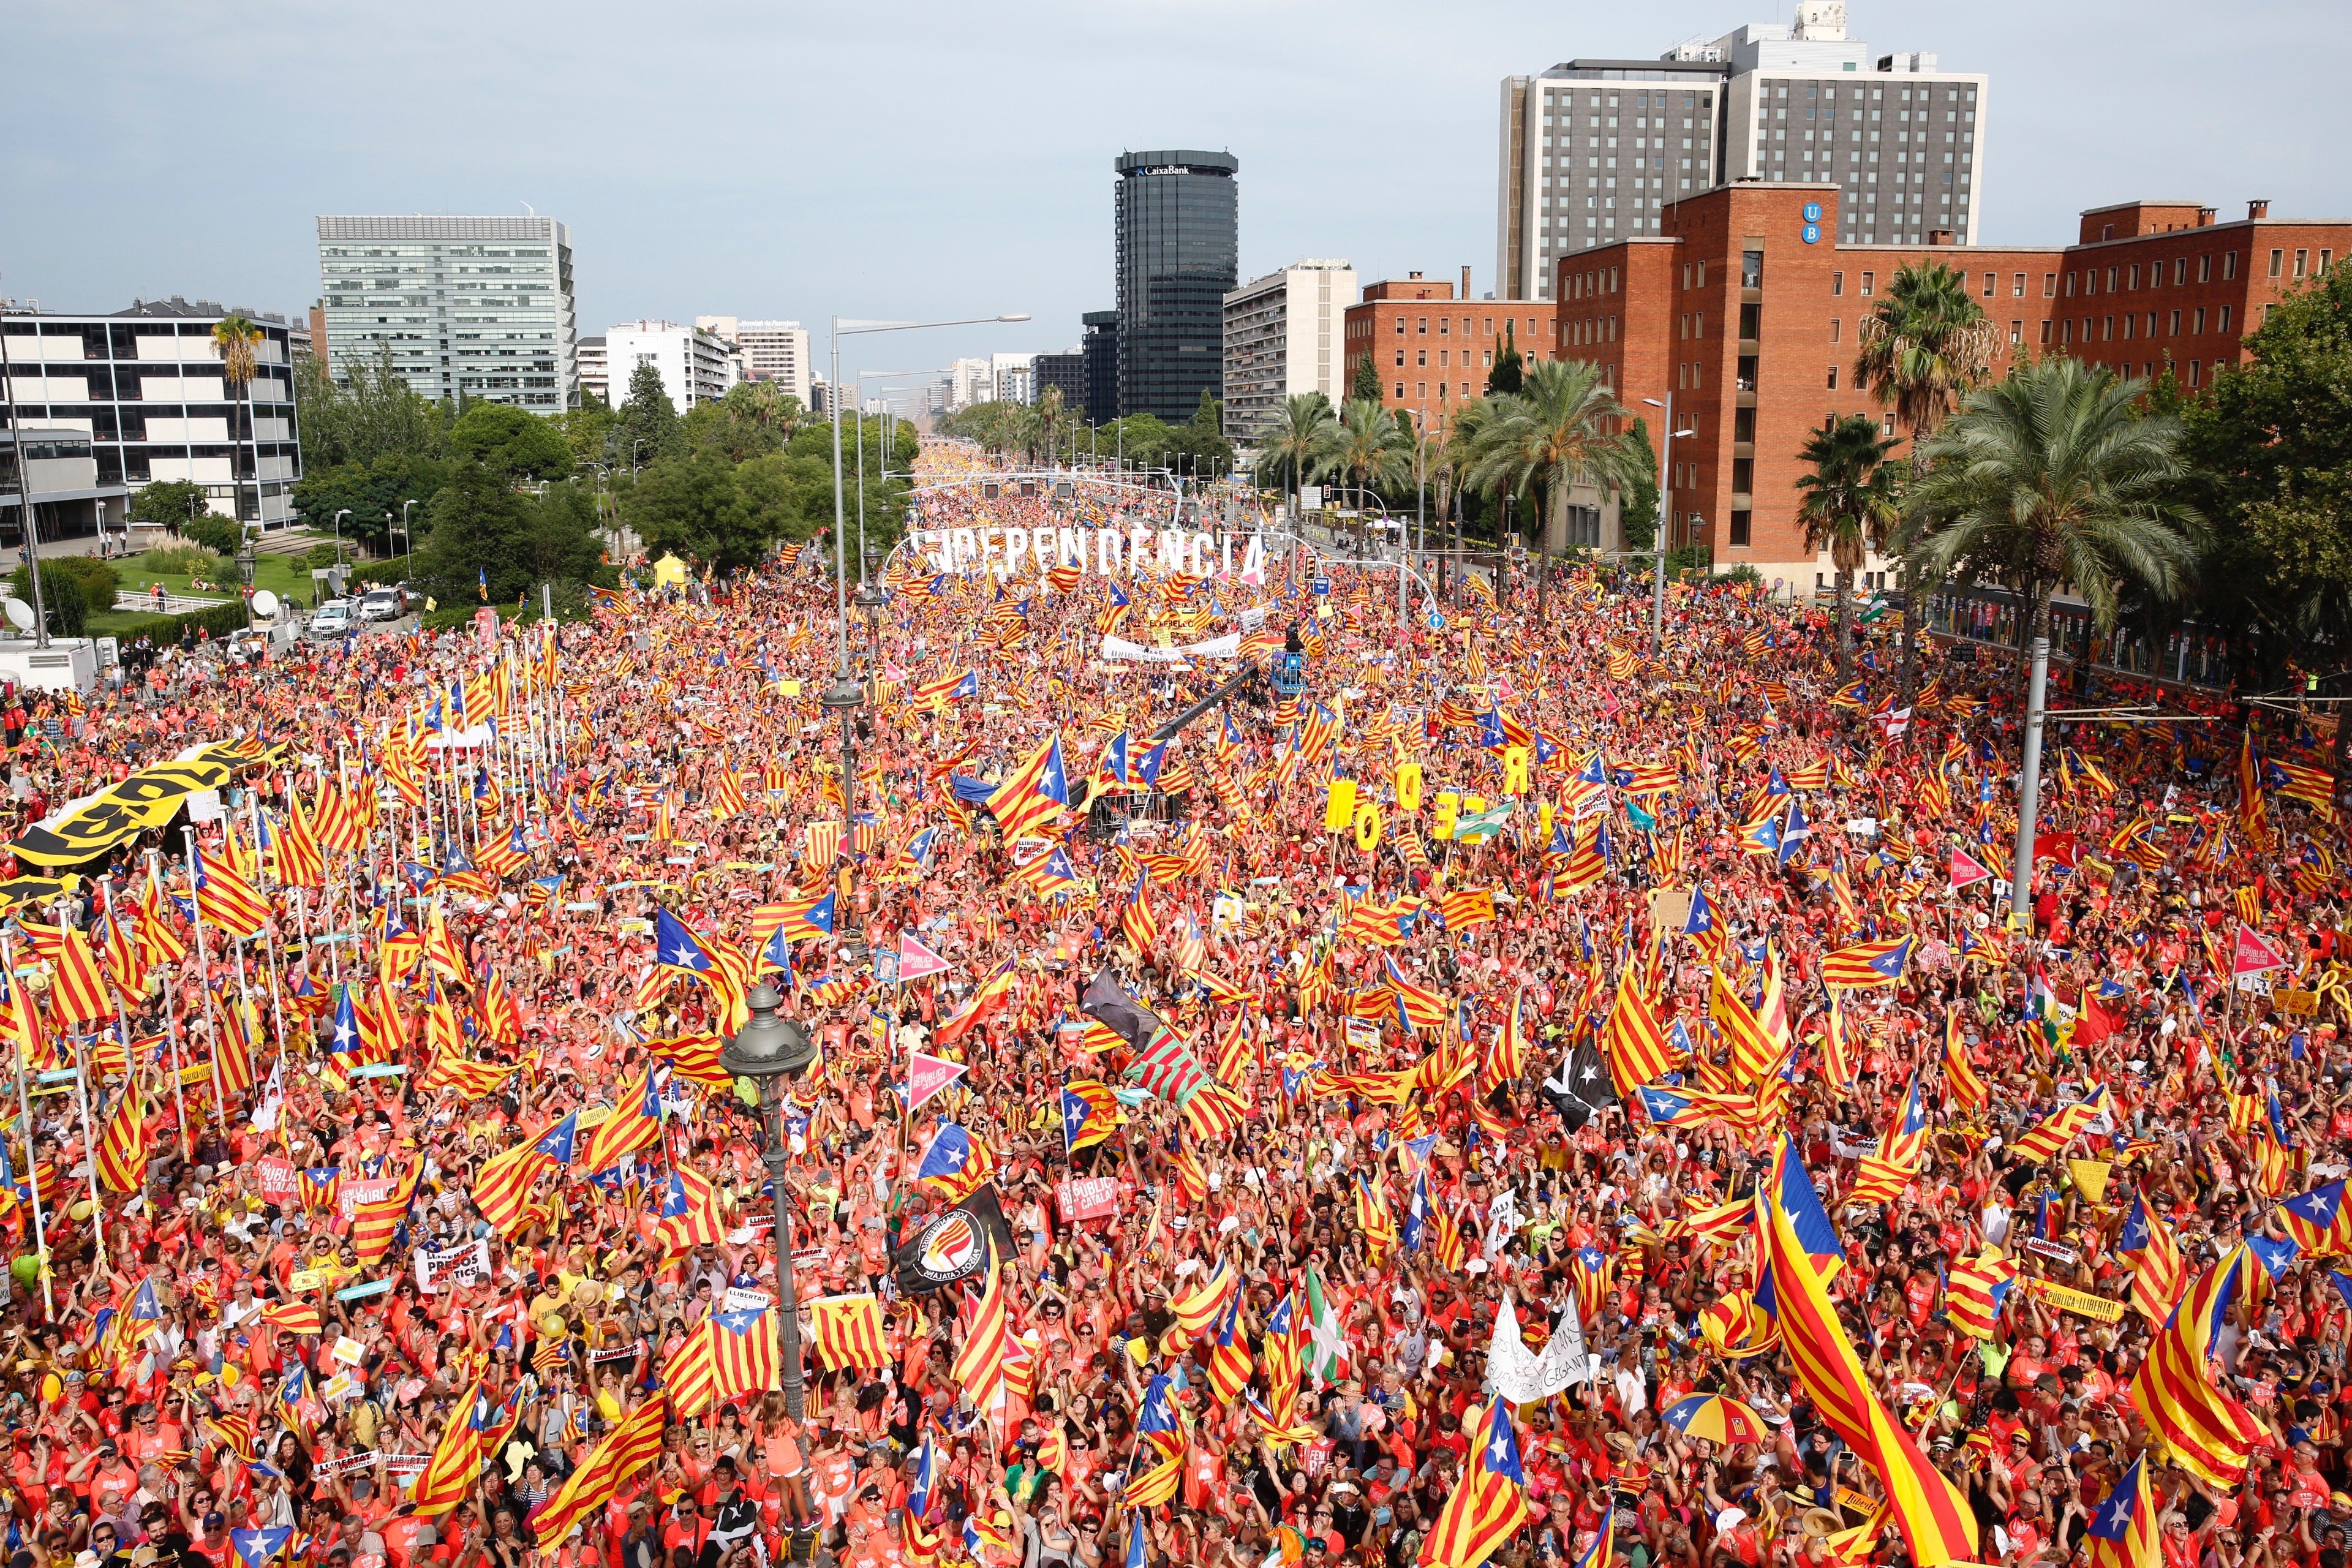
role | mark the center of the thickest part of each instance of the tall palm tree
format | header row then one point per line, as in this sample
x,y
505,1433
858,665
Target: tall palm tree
x,y
1364,445
1925,345
1298,434
1564,428
1848,507
1452,464
2055,476
235,336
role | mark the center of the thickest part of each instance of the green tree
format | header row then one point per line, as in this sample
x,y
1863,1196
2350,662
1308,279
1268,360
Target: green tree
x,y
367,412
588,431
2054,477
1362,447
235,337
482,529
1924,345
695,507
2270,444
1847,505
375,494
512,441
168,503
1141,438
1202,439
1286,453
1367,385
753,418
649,426
1510,374
64,600
1637,508
1553,435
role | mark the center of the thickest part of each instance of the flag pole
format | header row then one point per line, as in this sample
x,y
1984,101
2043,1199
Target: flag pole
x,y
81,1098
171,1013
205,981
25,1127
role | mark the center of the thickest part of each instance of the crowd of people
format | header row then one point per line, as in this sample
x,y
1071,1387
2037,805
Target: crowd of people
x,y
1478,1089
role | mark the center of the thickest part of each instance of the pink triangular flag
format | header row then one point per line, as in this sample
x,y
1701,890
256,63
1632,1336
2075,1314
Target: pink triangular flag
x,y
1967,869
917,961
2255,955
926,1076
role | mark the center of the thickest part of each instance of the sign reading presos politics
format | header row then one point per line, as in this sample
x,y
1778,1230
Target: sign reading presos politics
x,y
1010,551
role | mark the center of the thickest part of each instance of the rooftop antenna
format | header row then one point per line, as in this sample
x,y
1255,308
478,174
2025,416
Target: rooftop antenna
x,y
530,210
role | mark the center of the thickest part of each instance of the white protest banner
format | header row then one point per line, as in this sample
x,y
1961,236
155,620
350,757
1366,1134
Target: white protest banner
x,y
438,1269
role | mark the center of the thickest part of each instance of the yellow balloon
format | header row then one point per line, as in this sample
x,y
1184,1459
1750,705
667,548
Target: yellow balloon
x,y
1408,786
51,1388
1367,826
80,1210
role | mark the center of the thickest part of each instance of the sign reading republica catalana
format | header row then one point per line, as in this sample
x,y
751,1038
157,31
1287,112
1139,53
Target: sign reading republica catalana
x,y
1106,552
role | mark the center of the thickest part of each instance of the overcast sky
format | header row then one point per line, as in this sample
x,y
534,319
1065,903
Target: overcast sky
x,y
938,159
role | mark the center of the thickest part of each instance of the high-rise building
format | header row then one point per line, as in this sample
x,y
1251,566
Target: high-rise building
x,y
1434,347
1009,376
1102,365
1283,335
1067,370
770,350
140,395
1178,244
696,364
1747,314
1591,151
474,309
596,379
971,381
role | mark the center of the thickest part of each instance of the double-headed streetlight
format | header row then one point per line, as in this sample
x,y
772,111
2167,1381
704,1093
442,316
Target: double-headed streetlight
x,y
845,696
1665,518
771,1052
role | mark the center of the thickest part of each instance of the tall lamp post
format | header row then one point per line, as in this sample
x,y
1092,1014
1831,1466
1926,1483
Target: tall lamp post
x,y
771,1052
1666,517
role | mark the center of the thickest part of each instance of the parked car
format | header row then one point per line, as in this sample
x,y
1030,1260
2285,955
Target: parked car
x,y
382,605
334,618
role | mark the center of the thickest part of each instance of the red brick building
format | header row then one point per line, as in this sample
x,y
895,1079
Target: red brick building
x,y
1744,311
1433,346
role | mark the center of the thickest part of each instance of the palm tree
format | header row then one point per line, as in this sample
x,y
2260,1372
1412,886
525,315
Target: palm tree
x,y
1925,346
1848,507
235,337
2055,476
1298,434
1365,445
1450,457
1564,428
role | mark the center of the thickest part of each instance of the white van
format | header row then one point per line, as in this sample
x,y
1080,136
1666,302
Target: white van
x,y
335,618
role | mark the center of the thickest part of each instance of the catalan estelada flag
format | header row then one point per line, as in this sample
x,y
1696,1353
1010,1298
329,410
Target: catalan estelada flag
x,y
689,1215
2208,1433
2123,1528
1637,1049
2158,1275
1867,963
628,1448
456,1459
2320,1221
979,1366
636,1124
1489,1503
1034,794
743,1358
373,1223
1936,1520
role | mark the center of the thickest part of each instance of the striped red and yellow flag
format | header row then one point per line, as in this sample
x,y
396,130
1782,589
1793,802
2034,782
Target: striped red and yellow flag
x,y
743,1358
1968,1089
77,993
456,1460
849,1332
2206,1432
502,1187
628,1448
1490,1501
1637,1049
123,1149
372,1224
979,1367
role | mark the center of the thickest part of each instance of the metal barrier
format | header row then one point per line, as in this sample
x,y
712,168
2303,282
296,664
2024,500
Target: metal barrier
x,y
2187,655
147,601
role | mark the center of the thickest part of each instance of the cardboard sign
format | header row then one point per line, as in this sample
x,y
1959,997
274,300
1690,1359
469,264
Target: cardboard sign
x,y
1087,1198
2302,1004
275,1174
349,1350
741,1298
350,1195
2056,1251
468,1263
2082,1304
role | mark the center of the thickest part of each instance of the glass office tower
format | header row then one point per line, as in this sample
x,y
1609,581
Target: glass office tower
x,y
1179,219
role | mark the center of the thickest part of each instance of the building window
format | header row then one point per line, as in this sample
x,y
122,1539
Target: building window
x,y
1420,326
2276,255
2196,322
1837,284
2228,265
1400,364
2204,269
1400,392
2016,332
2196,368
1399,321
2045,334
2225,318
1739,531
1989,284
2070,285
2050,285
1869,282
2302,258
1833,380
1420,356
2325,256
2017,286
2133,280
2129,319
1836,327
2179,269
1420,391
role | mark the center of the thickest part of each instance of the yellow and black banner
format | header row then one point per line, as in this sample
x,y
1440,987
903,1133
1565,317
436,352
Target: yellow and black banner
x,y
38,893
148,798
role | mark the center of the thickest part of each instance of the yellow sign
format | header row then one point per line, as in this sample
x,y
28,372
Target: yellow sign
x,y
2302,1004
1515,770
1340,809
1408,786
1367,826
1543,823
1448,803
2091,1175
2081,1303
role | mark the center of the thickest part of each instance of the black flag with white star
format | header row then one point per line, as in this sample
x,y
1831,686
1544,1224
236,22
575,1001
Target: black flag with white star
x,y
1580,1087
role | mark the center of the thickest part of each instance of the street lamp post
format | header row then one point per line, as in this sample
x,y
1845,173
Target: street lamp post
x,y
407,540
771,1052
1666,517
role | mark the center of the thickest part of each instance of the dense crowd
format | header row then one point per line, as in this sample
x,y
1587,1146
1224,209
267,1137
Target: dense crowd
x,y
1372,1113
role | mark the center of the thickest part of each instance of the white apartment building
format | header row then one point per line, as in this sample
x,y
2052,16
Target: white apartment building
x,y
1284,334
970,380
1009,375
696,365
595,379
770,350
1592,150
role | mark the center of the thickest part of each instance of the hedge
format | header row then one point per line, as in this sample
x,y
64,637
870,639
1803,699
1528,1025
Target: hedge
x,y
221,620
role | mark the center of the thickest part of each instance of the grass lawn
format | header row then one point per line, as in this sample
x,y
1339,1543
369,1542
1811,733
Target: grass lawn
x,y
287,576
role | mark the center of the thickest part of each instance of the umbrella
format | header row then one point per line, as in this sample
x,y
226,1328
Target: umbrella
x,y
1716,1417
